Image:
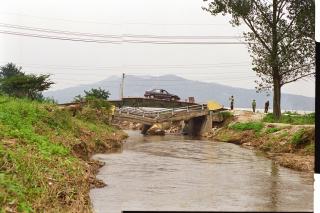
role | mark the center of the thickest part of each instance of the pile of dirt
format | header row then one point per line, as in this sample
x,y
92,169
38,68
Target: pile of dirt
x,y
156,129
127,125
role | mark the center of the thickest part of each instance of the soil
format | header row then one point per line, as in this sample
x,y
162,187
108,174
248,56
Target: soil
x,y
278,145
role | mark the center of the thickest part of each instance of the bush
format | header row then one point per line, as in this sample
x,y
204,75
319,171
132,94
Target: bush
x,y
256,126
226,115
98,103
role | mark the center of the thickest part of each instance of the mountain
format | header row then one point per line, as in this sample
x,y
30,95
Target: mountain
x,y
135,86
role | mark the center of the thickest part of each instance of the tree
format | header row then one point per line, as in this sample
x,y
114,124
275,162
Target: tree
x,y
10,70
79,98
280,39
16,83
95,98
97,93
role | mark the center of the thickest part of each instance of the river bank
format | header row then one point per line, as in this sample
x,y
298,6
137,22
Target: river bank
x,y
45,156
291,146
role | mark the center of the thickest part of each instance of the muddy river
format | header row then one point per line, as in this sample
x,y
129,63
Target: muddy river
x,y
180,173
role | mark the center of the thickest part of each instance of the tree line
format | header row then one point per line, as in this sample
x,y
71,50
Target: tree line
x,y
14,82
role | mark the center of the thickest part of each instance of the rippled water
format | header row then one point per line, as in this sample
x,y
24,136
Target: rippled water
x,y
179,173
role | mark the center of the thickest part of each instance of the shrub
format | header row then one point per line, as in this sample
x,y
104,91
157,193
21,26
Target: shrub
x,y
226,115
256,126
98,103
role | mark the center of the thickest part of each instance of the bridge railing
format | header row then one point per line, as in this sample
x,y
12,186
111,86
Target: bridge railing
x,y
160,113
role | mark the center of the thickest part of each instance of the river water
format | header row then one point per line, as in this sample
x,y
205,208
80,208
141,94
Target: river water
x,y
179,173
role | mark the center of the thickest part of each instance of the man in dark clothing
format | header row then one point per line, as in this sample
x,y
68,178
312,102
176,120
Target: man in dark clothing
x,y
266,107
254,104
231,99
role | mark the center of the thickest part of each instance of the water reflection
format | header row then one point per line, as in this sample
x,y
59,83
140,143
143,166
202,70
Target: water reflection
x,y
180,173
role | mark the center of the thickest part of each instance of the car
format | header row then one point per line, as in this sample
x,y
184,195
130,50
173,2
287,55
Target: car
x,y
161,94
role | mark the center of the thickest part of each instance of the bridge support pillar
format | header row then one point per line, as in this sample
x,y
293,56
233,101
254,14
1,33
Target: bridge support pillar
x,y
198,126
206,125
145,128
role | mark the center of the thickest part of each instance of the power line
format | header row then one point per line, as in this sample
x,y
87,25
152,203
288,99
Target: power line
x,y
140,68
109,23
112,42
57,37
143,74
160,80
46,30
137,66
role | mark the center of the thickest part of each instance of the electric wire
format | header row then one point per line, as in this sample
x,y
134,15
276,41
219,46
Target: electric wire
x,y
85,34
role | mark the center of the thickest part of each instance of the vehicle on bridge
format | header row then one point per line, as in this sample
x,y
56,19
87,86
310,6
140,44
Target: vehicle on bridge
x,y
161,94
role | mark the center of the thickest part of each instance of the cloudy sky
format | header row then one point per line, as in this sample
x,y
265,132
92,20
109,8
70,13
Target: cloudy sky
x,y
75,62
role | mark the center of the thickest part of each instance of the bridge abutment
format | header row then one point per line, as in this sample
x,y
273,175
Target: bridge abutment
x,y
200,125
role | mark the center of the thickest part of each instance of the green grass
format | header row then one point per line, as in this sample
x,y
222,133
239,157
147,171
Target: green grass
x,y
310,149
272,130
226,115
297,137
291,118
38,168
256,126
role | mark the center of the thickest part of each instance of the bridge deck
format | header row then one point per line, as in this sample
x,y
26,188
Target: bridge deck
x,y
159,116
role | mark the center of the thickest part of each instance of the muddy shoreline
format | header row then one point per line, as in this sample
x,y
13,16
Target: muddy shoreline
x,y
277,146
94,165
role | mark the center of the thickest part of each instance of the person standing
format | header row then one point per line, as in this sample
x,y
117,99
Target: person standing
x,y
266,107
231,99
254,104
113,109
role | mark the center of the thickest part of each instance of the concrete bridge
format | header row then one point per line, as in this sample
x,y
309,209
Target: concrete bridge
x,y
198,118
150,102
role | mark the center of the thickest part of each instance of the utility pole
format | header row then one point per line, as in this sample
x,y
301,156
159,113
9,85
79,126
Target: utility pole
x,y
122,85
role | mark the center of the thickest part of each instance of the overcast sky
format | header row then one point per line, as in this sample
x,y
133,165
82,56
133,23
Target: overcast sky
x,y
73,63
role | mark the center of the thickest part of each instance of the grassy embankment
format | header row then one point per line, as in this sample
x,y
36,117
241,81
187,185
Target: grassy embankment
x,y
291,146
291,118
45,156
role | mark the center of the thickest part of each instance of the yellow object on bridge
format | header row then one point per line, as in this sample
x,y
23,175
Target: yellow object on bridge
x,y
213,105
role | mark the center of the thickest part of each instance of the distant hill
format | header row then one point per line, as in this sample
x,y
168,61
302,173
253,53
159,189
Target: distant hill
x,y
135,86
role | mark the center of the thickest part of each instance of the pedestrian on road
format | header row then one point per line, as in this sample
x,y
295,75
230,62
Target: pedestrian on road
x,y
266,107
254,104
231,99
